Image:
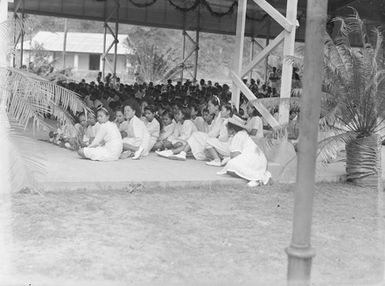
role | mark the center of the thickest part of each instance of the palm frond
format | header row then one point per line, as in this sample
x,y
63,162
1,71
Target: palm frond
x,y
333,142
30,97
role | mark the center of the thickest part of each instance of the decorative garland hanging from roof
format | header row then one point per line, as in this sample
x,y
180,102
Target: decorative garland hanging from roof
x,y
143,5
212,12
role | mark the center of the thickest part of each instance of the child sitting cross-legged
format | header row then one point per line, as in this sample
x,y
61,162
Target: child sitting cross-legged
x,y
183,130
152,124
107,145
168,127
246,159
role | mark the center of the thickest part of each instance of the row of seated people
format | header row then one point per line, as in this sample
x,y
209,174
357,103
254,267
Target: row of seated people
x,y
215,135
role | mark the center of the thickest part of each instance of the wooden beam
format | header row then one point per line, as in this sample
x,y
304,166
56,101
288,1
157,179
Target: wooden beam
x,y
276,15
264,53
259,106
239,42
287,66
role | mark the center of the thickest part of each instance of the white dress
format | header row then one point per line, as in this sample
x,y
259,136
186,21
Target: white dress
x,y
251,164
256,123
153,128
198,140
222,143
167,131
107,145
137,135
201,125
182,132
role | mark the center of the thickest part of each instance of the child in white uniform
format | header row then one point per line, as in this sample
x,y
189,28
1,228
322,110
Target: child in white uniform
x,y
168,127
197,142
107,145
218,147
183,130
137,141
120,121
254,124
152,125
247,160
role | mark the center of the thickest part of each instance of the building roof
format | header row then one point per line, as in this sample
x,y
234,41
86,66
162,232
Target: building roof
x,y
90,43
205,17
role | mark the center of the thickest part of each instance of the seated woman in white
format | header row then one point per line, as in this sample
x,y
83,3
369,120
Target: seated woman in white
x,y
152,125
184,128
218,148
197,142
247,160
107,145
254,124
136,138
168,128
120,120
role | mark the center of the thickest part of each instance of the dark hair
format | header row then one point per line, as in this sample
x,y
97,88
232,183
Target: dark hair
x,y
186,113
234,127
230,107
150,108
168,113
205,110
134,106
215,100
104,110
255,111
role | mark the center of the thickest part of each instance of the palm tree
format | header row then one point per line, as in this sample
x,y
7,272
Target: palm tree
x,y
353,110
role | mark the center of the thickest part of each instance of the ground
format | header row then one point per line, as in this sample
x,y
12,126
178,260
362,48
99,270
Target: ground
x,y
192,236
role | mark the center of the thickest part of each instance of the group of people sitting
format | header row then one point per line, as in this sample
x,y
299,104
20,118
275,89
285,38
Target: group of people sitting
x,y
211,133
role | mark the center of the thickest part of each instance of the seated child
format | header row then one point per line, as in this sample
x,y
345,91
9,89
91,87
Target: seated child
x,y
120,121
183,130
168,127
152,125
92,129
199,122
107,145
217,148
246,159
254,124
136,143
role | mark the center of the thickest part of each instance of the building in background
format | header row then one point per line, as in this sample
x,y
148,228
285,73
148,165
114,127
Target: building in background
x,y
83,53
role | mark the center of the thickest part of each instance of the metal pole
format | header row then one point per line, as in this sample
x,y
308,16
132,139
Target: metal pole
x,y
239,42
300,252
22,34
116,39
251,56
197,44
65,43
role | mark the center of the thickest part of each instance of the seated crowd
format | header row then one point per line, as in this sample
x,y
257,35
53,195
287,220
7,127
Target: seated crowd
x,y
173,121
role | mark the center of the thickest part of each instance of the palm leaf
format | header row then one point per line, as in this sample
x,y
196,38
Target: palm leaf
x,y
328,147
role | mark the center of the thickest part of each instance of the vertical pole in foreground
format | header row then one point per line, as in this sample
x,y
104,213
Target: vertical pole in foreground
x,y
300,252
239,42
65,43
267,57
183,54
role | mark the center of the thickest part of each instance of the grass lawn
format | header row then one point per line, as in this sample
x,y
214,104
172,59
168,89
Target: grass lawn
x,y
217,236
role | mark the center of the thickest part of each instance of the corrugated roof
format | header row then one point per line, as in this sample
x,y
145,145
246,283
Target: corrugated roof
x,y
91,43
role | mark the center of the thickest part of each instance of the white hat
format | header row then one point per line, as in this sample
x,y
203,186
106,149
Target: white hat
x,y
236,120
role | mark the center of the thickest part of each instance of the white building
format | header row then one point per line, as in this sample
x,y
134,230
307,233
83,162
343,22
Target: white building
x,y
83,51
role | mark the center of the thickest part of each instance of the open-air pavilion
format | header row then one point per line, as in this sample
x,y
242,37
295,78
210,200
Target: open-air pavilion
x,y
278,21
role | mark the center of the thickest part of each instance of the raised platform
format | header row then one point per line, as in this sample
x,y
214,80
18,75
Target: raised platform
x,y
66,171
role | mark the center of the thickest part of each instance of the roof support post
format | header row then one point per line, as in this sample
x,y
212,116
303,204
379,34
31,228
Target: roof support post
x,y
65,43
300,252
22,33
183,46
197,44
252,44
267,43
116,41
238,57
287,66
104,51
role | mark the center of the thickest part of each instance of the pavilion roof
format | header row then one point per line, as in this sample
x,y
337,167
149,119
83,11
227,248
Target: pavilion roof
x,y
168,14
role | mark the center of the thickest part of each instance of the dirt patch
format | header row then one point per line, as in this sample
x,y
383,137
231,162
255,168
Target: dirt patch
x,y
193,236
